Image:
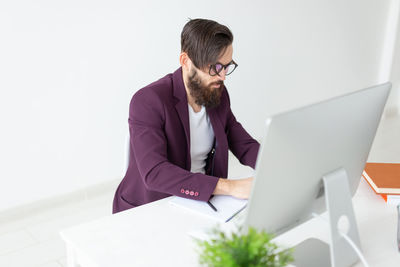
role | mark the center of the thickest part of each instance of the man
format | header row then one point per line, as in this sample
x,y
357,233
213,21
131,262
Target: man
x,y
182,126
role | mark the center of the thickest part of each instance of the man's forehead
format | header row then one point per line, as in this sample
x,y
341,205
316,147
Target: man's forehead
x,y
226,58
224,61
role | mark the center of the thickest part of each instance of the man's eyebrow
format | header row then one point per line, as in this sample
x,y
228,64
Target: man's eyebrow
x,y
218,62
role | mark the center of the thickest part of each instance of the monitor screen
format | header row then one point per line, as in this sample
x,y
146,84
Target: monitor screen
x,y
302,146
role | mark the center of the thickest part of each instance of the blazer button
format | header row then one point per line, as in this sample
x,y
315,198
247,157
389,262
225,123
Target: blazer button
x,y
191,193
187,192
196,194
183,191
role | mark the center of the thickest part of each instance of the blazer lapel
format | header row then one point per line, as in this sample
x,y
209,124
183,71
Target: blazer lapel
x,y
221,144
181,106
216,124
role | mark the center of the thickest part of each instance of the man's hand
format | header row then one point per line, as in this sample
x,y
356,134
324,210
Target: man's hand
x,y
238,188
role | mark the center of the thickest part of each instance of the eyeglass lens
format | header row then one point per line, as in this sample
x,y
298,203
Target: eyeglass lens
x,y
219,67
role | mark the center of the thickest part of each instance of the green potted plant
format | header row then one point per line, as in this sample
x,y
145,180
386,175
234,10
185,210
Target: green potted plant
x,y
249,248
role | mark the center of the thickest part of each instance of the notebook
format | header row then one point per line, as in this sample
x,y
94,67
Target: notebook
x,y
227,206
384,178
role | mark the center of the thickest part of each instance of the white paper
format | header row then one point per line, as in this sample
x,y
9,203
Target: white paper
x,y
227,206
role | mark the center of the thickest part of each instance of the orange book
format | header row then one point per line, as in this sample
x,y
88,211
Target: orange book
x,y
384,178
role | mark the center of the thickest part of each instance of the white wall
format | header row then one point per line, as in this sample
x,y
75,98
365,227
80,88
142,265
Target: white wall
x,y
390,58
393,105
68,70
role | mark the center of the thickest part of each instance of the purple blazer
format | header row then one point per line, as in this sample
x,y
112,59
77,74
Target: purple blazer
x,y
159,164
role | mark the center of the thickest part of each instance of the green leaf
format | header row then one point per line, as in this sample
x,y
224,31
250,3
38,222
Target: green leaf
x,y
250,248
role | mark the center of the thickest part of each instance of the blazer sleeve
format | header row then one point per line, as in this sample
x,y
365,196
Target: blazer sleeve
x,y
149,143
242,145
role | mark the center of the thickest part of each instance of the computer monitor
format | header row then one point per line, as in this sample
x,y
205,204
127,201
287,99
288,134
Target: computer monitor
x,y
330,139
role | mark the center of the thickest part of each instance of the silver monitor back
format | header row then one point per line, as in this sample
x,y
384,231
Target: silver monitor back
x,y
303,145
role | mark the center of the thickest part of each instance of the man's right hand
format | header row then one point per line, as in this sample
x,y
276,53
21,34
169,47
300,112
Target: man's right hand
x,y
240,188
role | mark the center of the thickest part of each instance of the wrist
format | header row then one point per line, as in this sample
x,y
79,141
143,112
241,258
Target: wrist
x,y
223,187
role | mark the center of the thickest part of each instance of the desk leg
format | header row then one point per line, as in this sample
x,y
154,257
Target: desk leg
x,y
71,256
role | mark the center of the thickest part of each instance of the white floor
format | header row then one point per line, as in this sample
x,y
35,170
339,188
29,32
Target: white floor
x,y
34,240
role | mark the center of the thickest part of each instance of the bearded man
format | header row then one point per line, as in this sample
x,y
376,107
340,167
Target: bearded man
x,y
181,127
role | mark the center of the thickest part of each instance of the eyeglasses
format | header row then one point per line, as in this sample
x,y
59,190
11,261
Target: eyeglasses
x,y
215,69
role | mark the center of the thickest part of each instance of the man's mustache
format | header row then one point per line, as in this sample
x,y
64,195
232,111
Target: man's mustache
x,y
217,83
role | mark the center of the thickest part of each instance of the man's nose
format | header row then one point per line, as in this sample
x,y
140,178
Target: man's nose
x,y
222,75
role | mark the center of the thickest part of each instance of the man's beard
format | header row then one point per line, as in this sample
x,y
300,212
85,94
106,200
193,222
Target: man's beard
x,y
204,95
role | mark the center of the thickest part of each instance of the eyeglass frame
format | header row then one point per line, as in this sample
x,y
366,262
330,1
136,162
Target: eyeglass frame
x,y
213,68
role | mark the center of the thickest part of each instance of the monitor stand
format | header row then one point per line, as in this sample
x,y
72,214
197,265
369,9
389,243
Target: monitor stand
x,y
318,242
312,253
341,218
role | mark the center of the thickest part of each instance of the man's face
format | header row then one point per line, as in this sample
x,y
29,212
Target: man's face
x,y
205,89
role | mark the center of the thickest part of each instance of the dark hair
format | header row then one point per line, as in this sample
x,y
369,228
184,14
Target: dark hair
x,y
205,41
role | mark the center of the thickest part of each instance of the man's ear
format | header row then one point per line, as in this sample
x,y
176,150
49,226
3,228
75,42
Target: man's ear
x,y
184,60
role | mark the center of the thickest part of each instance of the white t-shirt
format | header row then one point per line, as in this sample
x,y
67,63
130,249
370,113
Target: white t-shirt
x,y
201,138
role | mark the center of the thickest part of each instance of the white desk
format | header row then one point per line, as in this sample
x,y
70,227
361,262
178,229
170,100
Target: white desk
x,y
156,235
